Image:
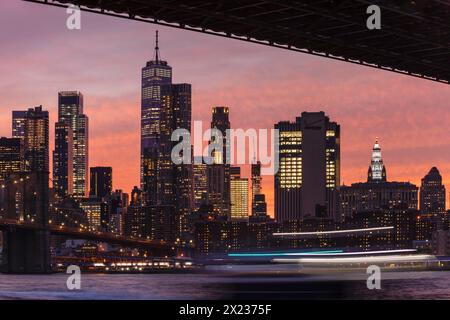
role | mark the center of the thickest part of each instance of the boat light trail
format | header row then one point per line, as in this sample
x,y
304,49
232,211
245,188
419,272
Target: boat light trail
x,y
332,231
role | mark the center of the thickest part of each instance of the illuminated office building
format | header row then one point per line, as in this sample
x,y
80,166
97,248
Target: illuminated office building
x,y
219,171
18,124
101,182
63,160
259,209
155,74
200,181
216,237
70,112
174,181
137,218
309,173
239,195
94,209
221,121
256,178
36,140
165,107
11,156
117,205
259,205
432,197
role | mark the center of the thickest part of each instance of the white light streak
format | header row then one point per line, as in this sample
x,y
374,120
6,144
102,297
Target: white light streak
x,y
349,260
331,232
351,253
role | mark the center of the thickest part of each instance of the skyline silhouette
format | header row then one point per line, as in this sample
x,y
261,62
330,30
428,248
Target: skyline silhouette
x,y
260,85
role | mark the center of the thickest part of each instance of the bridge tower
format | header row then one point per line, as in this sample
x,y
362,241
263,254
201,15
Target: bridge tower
x,y
26,245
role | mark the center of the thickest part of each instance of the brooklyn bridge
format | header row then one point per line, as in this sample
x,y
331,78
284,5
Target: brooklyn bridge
x,y
27,226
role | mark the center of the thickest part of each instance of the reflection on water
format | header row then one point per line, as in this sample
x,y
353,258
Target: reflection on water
x,y
235,284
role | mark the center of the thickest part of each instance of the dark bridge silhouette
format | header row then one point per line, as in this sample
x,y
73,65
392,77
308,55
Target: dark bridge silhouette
x,y
414,38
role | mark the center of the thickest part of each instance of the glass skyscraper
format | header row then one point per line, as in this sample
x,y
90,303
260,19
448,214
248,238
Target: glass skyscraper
x,y
167,187
155,74
219,172
18,124
238,195
70,112
63,160
36,140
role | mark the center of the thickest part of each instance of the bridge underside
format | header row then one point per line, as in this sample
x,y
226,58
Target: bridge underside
x,y
414,38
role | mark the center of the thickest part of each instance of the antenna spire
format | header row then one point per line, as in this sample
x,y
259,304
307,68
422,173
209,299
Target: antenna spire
x,y
254,150
157,48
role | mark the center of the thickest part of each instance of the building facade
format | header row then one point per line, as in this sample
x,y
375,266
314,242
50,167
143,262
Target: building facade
x,y
18,124
36,140
100,182
239,195
309,175
155,74
11,156
63,160
70,112
200,182
219,172
377,193
432,197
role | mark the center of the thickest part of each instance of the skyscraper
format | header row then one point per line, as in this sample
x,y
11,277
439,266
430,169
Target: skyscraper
x,y
377,170
18,124
221,121
219,171
259,208
36,140
11,156
309,173
167,186
101,182
70,112
175,181
200,182
63,160
257,205
432,196
239,194
256,178
155,74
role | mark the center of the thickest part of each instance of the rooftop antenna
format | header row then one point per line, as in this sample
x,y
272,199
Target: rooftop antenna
x,y
157,48
254,151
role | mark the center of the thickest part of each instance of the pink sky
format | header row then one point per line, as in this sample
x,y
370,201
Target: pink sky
x,y
261,85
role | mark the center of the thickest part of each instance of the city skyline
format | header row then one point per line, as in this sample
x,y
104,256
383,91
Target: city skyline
x,y
408,152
